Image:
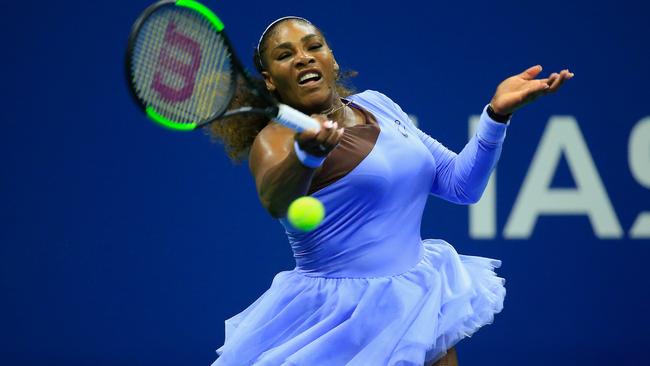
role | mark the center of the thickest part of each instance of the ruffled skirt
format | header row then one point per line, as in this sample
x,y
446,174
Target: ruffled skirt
x,y
406,319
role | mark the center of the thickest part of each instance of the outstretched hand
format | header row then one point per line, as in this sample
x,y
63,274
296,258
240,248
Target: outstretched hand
x,y
519,90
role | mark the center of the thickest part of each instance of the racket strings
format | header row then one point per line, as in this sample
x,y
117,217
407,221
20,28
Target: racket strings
x,y
181,66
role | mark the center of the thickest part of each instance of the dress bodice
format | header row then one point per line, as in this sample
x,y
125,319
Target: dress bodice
x,y
373,213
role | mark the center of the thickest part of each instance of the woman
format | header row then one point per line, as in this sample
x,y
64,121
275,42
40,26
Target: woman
x,y
366,289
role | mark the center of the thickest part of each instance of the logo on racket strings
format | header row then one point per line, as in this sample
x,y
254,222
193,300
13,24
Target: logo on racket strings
x,y
169,66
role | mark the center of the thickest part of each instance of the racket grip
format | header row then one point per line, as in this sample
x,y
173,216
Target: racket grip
x,y
295,119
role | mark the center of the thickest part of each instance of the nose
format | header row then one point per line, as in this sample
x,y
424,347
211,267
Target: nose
x,y
303,59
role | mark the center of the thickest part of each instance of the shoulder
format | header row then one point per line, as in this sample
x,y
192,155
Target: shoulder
x,y
270,144
372,96
379,103
273,130
377,100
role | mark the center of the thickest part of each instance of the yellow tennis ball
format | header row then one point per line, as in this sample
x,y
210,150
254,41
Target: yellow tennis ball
x,y
306,213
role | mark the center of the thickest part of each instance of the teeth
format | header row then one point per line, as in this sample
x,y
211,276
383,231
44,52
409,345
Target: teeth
x,y
308,75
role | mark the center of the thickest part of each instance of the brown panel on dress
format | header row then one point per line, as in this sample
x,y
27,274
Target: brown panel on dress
x,y
355,144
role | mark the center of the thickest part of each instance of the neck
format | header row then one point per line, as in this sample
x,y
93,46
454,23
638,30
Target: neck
x,y
333,108
337,111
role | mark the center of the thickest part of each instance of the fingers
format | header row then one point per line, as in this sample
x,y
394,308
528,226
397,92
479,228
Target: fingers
x,y
554,82
538,86
531,72
516,91
533,91
548,85
551,79
322,142
558,80
330,138
334,137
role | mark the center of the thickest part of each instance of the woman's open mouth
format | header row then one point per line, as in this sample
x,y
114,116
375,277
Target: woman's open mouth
x,y
309,78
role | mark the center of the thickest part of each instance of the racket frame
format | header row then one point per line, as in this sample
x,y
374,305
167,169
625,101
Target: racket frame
x,y
236,71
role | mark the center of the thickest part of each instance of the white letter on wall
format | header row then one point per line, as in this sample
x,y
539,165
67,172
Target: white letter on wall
x,y
639,159
562,136
483,214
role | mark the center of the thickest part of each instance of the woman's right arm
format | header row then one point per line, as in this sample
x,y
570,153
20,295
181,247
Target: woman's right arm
x,y
280,177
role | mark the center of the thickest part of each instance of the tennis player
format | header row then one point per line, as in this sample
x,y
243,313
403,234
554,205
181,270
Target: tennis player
x,y
366,289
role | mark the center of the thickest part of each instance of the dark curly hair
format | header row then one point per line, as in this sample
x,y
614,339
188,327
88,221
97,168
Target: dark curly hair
x,y
238,132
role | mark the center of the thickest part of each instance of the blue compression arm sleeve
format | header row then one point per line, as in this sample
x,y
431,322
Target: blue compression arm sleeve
x,y
462,178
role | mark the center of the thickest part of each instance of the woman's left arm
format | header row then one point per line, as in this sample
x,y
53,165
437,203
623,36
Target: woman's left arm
x,y
462,178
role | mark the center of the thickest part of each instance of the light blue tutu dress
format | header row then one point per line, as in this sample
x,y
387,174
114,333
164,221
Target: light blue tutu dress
x,y
366,289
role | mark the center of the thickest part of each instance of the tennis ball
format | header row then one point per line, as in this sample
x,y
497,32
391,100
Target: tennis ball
x,y
306,213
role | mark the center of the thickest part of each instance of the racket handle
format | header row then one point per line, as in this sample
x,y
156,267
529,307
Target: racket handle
x,y
295,119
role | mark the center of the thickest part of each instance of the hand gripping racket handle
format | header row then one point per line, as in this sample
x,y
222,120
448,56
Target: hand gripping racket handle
x,y
295,119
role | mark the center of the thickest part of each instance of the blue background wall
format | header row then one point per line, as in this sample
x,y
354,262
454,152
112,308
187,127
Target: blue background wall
x,y
122,243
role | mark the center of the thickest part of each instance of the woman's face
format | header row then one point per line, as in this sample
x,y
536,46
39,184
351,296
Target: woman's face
x,y
300,67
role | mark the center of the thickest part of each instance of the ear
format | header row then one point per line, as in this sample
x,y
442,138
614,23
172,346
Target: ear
x,y
337,69
270,85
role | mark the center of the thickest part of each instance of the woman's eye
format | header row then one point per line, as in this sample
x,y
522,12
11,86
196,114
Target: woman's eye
x,y
315,46
283,55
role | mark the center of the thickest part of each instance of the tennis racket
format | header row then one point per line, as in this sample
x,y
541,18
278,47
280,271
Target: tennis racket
x,y
183,72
